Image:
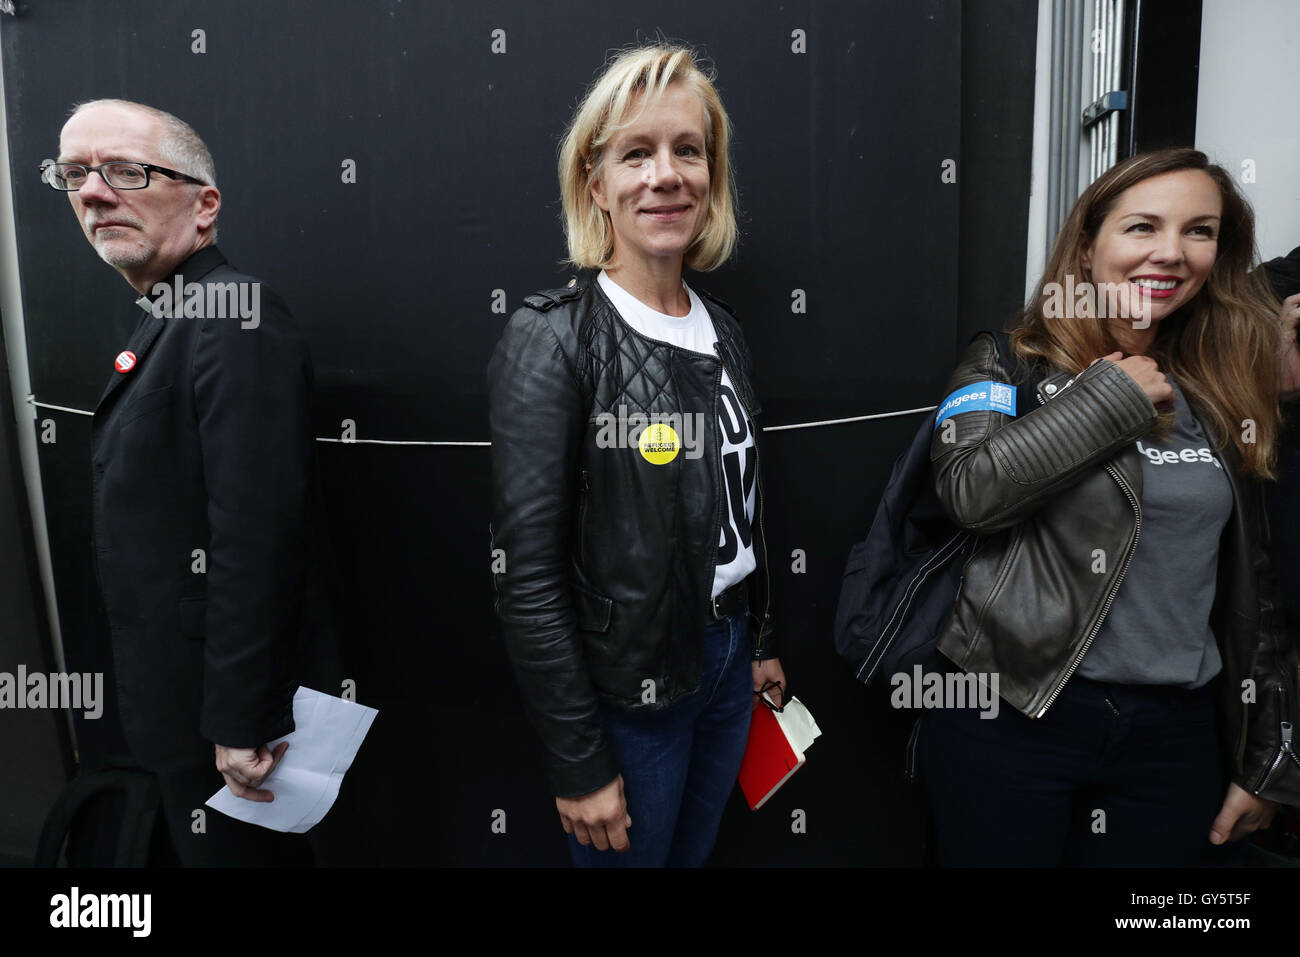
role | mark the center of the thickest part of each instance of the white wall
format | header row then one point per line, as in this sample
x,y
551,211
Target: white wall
x,y
1248,108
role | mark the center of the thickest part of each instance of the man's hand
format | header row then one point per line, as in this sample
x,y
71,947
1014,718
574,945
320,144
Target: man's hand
x,y
770,670
1242,813
598,818
246,768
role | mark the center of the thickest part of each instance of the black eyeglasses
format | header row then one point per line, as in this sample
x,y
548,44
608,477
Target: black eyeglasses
x,y
768,686
70,177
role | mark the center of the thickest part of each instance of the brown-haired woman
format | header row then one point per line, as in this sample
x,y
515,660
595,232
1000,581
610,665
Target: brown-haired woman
x,y
1119,599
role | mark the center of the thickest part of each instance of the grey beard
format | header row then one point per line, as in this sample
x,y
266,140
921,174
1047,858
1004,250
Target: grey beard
x,y
135,256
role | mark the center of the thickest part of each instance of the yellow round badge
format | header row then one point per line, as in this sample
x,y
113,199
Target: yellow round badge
x,y
659,444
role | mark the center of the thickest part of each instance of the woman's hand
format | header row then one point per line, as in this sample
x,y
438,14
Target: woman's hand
x,y
1241,813
770,670
1290,317
598,818
1145,373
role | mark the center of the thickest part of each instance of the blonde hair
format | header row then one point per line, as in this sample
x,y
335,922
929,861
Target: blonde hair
x,y
603,112
1221,347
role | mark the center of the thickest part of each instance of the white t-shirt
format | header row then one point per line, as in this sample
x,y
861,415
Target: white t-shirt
x,y
695,332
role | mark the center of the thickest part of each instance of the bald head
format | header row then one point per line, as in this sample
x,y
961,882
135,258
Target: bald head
x,y
143,233
178,144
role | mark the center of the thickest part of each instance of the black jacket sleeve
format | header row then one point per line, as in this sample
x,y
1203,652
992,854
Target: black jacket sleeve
x,y
252,389
537,422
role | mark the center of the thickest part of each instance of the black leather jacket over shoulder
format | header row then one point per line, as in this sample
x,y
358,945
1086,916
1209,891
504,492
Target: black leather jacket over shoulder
x,y
608,559
1048,488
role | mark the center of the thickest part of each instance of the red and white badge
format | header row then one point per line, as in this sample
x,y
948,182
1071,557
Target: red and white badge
x,y
125,361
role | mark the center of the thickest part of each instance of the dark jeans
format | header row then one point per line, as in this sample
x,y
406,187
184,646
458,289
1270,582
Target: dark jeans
x,y
1111,776
680,764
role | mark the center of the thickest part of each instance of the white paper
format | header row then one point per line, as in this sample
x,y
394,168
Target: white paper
x,y
798,724
327,734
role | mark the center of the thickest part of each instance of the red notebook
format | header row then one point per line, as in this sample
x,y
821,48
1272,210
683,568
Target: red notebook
x,y
770,758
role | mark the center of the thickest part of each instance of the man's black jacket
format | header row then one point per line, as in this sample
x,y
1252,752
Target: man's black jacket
x,y
609,559
205,534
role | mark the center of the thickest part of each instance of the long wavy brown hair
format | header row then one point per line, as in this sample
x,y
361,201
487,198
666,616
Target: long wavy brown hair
x,y
1221,347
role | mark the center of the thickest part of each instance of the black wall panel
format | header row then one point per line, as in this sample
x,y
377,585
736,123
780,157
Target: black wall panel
x,y
839,152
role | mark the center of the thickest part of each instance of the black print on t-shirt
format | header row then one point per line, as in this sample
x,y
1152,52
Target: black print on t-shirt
x,y
732,416
739,481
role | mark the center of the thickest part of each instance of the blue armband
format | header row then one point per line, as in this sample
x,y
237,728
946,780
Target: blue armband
x,y
986,396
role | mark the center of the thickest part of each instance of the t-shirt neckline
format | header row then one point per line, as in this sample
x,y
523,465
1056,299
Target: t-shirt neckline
x,y
696,302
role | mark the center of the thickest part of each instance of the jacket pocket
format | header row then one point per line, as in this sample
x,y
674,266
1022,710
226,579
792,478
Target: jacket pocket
x,y
148,402
193,617
593,611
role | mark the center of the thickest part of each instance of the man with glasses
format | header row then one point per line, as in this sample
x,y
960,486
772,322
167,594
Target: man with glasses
x,y
205,537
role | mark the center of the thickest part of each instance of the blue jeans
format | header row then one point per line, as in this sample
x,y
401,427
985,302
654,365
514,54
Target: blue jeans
x,y
1111,776
680,764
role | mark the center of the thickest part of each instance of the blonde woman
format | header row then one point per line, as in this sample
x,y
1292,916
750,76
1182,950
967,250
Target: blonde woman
x,y
1120,595
627,495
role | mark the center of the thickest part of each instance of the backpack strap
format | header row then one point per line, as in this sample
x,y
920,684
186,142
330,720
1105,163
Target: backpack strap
x,y
1020,374
141,807
1006,354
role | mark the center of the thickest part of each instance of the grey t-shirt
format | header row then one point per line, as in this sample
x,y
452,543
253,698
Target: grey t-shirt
x,y
1158,630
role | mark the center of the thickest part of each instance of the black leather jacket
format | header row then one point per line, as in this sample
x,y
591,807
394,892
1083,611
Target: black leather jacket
x,y
1048,488
608,559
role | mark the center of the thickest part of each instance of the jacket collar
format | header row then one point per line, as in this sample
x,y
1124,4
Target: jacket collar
x,y
151,325
194,269
586,286
587,290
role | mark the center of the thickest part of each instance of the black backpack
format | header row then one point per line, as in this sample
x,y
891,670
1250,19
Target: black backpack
x,y
901,582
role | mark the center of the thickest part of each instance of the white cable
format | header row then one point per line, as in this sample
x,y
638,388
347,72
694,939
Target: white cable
x,y
31,399
396,442
856,418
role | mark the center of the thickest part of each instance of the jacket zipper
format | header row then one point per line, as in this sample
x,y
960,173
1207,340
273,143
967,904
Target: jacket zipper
x,y
1284,749
758,504
1110,598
